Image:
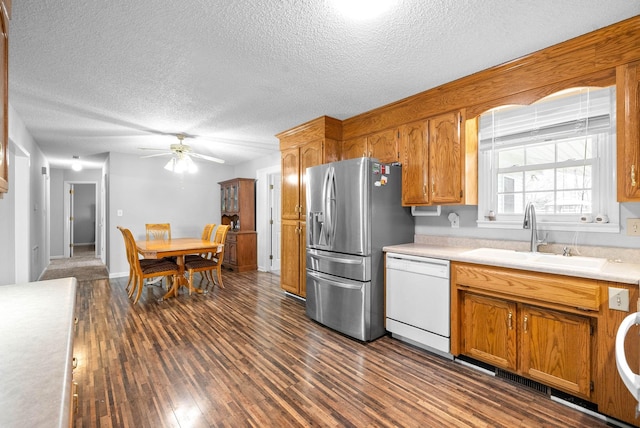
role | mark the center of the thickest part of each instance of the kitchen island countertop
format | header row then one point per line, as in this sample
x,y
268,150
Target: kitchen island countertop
x,y
36,348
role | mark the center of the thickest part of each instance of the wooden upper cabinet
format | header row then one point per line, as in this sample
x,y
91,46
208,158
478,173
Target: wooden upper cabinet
x,y
415,166
628,131
290,192
384,146
445,158
311,154
355,148
381,145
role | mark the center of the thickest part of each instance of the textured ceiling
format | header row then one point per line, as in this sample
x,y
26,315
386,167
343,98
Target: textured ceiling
x,y
89,77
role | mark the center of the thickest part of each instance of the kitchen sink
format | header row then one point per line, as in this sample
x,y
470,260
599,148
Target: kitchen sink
x,y
574,262
532,259
497,253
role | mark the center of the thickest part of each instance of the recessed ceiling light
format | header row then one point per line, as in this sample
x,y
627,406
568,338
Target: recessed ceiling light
x,y
363,9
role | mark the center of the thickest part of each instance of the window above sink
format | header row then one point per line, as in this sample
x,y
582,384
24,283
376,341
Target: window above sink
x,y
559,154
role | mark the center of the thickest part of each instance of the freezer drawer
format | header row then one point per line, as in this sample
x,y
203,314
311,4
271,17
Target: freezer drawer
x,y
339,303
344,265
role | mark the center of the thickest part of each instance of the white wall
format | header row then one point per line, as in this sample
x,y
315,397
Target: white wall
x,y
38,209
440,226
56,210
7,229
146,193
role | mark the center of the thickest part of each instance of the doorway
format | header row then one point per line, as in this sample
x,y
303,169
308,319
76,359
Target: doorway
x,y
268,219
80,215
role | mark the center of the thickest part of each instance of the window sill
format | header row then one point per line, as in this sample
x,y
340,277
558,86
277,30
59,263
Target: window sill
x,y
556,226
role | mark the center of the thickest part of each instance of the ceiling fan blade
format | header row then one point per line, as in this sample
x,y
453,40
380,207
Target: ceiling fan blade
x,y
205,157
151,148
156,155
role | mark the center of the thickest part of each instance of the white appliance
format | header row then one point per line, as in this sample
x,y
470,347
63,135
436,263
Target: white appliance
x,y
631,380
418,300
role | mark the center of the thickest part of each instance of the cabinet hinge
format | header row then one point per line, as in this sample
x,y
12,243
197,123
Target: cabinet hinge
x,y
270,186
591,386
71,191
270,221
461,193
592,330
270,256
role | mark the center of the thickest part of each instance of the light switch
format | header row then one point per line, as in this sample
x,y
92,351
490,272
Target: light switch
x,y
633,226
119,213
619,299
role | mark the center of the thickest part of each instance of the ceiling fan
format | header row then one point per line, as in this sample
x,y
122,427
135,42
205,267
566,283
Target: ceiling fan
x,y
181,155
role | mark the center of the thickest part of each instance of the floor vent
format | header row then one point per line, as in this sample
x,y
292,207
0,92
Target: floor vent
x,y
536,386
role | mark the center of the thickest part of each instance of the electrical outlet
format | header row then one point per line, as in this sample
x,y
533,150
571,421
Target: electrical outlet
x,y
633,226
619,299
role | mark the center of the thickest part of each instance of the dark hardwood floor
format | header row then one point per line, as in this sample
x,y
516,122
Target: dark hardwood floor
x,y
247,355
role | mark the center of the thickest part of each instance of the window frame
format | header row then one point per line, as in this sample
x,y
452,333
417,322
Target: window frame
x,y
603,186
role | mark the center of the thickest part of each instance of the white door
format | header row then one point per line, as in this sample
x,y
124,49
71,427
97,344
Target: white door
x,y
68,219
274,210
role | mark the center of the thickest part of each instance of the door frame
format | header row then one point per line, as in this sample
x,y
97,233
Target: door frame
x,y
263,226
68,212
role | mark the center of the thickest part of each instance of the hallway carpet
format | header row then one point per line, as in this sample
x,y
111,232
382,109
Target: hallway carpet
x,y
84,268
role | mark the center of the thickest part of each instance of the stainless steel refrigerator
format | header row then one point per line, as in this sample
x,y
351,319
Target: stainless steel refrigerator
x,y
354,208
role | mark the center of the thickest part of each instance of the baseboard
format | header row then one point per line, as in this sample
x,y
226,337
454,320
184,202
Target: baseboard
x,y
118,274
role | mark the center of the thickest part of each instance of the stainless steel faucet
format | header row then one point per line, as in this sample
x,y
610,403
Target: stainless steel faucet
x,y
531,223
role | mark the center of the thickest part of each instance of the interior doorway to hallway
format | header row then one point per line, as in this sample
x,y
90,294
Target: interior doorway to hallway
x,y
81,212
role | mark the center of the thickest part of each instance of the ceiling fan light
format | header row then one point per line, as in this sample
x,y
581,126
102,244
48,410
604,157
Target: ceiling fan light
x,y
170,166
181,164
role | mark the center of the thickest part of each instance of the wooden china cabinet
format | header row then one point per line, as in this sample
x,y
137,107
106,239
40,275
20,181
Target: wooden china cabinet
x,y
238,210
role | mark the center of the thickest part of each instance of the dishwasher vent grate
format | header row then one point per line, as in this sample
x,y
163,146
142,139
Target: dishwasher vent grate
x,y
537,386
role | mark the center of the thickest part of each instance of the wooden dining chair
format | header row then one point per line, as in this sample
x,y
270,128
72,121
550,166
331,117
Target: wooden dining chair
x,y
206,236
139,270
158,231
212,262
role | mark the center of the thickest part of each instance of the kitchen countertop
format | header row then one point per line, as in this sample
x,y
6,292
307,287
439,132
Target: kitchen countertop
x,y
36,346
628,273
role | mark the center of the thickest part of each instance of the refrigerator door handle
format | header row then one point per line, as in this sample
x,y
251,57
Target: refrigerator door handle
x,y
334,258
326,279
329,200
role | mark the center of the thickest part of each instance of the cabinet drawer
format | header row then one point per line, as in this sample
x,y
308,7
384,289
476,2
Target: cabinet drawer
x,y
563,290
231,238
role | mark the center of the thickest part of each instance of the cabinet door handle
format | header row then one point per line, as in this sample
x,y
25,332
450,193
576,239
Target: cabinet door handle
x,y
526,319
633,176
510,321
433,188
424,189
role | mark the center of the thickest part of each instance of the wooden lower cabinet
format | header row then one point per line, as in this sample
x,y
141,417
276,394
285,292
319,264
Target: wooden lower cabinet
x,y
488,330
556,349
293,275
554,329
240,251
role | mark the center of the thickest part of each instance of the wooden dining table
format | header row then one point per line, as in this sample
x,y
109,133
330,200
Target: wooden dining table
x,y
176,247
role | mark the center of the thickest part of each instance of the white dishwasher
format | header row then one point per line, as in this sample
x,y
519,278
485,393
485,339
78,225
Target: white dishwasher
x,y
418,301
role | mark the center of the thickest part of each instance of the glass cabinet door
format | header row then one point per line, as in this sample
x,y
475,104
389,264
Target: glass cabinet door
x,y
234,192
